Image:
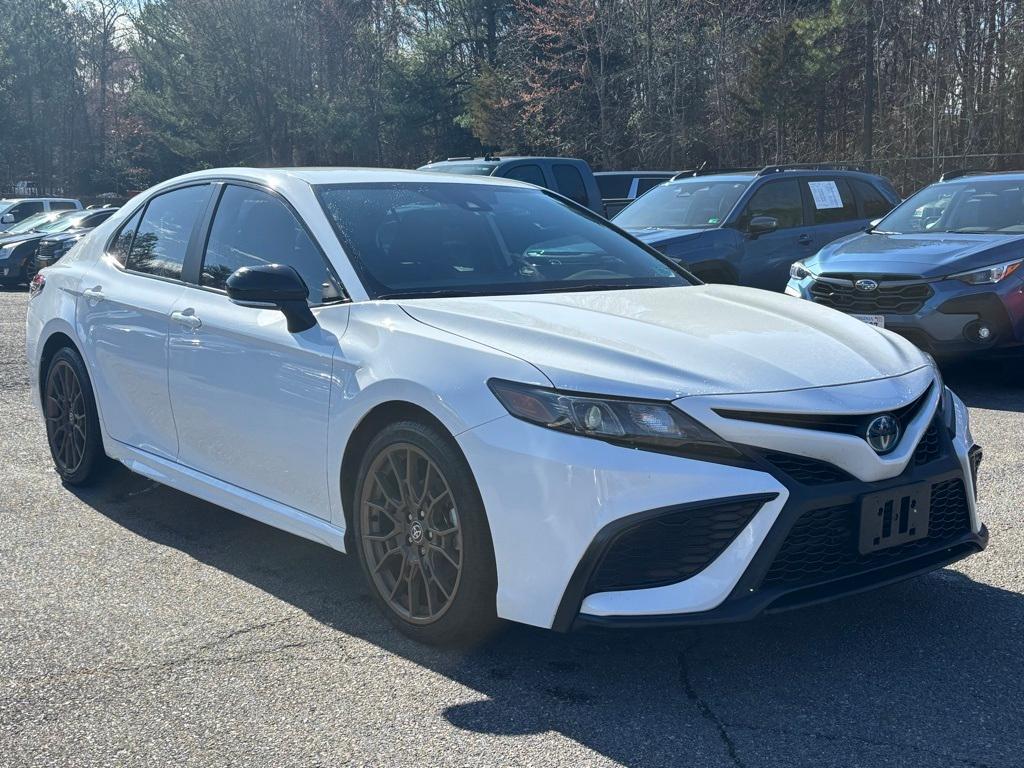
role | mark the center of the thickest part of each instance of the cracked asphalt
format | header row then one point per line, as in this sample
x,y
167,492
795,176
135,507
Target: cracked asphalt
x,y
141,627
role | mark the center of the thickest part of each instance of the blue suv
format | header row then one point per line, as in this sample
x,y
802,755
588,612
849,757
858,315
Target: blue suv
x,y
748,226
943,269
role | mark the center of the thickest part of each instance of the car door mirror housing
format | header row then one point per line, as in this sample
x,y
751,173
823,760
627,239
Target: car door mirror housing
x,y
8,218
762,225
273,286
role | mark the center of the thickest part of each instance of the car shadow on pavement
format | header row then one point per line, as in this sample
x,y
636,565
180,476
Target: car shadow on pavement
x,y
926,673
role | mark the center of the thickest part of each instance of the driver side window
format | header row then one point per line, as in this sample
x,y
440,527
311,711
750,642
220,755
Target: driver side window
x,y
251,228
779,199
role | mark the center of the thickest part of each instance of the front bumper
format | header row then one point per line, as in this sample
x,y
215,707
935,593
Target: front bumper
x,y
556,502
947,322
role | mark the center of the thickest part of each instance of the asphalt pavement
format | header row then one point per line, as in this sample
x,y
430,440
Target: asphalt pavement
x,y
141,627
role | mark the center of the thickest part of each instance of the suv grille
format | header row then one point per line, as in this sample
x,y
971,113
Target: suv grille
x,y
46,250
823,543
672,546
891,298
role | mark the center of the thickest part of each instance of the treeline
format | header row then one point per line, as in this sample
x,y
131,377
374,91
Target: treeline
x,y
113,95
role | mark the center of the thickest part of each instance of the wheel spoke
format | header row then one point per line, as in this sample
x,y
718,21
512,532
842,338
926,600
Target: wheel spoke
x,y
444,553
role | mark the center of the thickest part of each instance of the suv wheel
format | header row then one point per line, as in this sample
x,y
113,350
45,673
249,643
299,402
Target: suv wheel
x,y
422,536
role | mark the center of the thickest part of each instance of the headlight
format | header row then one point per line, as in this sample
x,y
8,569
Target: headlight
x,y
798,271
989,275
7,250
639,423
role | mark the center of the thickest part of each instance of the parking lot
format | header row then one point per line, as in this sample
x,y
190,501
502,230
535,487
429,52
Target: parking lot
x,y
139,626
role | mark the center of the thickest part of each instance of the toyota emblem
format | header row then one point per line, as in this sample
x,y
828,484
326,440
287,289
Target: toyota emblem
x,y
866,285
883,433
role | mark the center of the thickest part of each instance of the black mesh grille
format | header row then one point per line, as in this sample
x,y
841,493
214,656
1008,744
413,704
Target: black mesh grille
x,y
808,471
823,544
898,299
671,547
930,447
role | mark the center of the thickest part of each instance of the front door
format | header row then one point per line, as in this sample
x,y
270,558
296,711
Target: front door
x,y
767,257
250,399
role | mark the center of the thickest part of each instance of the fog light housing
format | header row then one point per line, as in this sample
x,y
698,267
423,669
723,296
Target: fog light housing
x,y
979,332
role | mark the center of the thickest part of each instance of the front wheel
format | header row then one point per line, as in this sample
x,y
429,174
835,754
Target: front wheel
x,y
72,424
422,536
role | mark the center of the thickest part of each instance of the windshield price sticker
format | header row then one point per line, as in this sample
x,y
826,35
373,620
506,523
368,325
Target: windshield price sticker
x,y
826,194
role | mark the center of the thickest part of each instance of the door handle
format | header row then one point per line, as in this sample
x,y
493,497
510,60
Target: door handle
x,y
805,239
186,317
94,294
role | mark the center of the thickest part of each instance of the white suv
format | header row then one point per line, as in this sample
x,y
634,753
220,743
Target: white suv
x,y
507,408
15,210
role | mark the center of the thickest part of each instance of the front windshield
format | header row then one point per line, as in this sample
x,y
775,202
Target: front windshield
x,y
466,169
687,204
410,240
64,223
32,223
978,206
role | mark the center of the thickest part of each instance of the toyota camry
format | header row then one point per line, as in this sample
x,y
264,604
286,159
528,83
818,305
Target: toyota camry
x,y
503,405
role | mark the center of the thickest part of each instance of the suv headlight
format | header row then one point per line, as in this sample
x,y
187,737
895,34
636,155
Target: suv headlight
x,y
798,271
637,423
989,275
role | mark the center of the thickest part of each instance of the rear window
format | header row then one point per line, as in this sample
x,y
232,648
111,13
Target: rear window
x,y
62,205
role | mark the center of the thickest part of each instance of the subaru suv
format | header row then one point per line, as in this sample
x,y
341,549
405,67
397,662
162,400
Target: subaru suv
x,y
745,226
943,269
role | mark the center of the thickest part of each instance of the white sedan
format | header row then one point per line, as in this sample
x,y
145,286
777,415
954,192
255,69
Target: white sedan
x,y
508,408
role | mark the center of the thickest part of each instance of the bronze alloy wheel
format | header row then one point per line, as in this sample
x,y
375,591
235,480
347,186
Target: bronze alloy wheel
x,y
67,423
411,534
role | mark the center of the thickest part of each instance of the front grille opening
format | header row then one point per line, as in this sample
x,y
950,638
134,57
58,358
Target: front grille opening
x,y
808,471
930,447
897,299
975,455
823,543
672,546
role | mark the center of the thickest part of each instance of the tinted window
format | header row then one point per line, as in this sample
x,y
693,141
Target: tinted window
x,y
978,206
873,202
832,201
686,204
644,185
252,228
62,206
614,185
436,239
162,238
531,174
778,199
94,220
570,183
23,210
123,242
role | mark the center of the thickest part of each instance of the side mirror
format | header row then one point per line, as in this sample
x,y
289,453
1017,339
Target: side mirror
x,y
273,286
8,218
762,225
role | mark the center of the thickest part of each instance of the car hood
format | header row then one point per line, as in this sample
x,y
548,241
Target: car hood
x,y
24,236
658,236
673,342
918,255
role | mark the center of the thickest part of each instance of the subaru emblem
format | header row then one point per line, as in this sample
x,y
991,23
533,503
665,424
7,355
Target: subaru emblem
x,y
866,285
883,433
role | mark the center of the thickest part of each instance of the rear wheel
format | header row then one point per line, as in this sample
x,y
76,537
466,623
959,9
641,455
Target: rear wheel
x,y
422,536
72,424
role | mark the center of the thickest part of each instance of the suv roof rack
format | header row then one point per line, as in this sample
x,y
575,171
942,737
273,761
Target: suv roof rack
x,y
780,168
706,170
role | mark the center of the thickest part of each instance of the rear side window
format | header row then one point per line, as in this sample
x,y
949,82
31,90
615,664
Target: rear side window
x,y
615,186
832,201
253,228
531,174
162,238
779,199
873,202
570,183
62,205
23,210
123,241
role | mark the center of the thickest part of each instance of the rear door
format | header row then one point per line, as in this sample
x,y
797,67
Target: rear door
x,y
767,258
834,212
123,313
251,399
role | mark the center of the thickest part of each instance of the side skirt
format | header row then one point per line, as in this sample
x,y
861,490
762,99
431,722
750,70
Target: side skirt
x,y
225,495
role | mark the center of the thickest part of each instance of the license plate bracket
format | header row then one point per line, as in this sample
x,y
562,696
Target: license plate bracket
x,y
894,517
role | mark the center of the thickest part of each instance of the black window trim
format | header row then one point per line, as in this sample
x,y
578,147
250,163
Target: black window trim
x,y
193,266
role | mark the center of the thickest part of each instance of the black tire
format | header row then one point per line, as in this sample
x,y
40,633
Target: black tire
x,y
71,416
468,616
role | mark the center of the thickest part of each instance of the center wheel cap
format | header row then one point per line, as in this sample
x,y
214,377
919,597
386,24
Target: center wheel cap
x,y
416,532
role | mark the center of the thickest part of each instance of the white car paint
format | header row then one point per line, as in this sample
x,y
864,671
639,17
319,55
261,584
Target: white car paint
x,y
241,413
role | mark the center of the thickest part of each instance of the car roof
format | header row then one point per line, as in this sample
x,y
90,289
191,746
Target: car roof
x,y
503,159
35,199
635,173
986,175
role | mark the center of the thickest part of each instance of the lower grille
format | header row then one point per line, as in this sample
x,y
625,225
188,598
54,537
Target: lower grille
x,y
930,447
894,298
672,546
808,471
975,455
823,544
